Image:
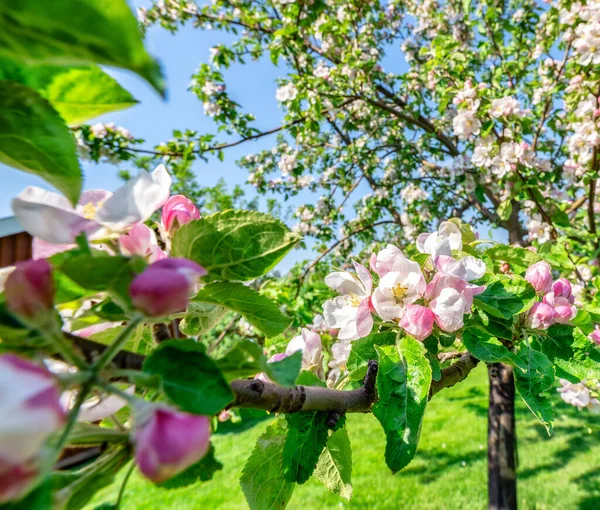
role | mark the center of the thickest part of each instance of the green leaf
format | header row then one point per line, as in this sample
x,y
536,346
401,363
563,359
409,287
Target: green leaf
x,y
234,245
305,440
243,360
583,320
34,138
38,499
363,350
573,354
308,378
403,382
506,296
189,377
200,317
76,93
488,348
495,326
76,32
436,368
257,309
202,471
537,378
519,259
334,467
262,481
286,371
504,209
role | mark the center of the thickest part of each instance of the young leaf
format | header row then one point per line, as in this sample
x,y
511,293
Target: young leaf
x,y
305,440
76,32
573,354
488,348
334,468
506,296
262,481
200,317
34,138
538,378
363,350
76,93
403,382
234,245
257,309
189,377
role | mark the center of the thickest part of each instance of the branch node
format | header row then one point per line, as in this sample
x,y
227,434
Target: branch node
x,y
332,419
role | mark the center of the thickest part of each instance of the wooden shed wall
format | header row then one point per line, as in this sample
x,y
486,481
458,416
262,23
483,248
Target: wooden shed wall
x,y
14,248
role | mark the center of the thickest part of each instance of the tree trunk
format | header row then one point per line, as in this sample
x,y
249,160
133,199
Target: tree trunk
x,y
502,480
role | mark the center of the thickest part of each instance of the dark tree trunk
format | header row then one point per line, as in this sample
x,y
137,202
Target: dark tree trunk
x,y
502,480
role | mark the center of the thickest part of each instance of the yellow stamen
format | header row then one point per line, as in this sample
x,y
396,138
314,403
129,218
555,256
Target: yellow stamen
x,y
353,300
89,210
399,293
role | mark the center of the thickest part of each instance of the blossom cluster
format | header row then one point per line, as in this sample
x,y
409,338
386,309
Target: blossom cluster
x,y
557,305
583,395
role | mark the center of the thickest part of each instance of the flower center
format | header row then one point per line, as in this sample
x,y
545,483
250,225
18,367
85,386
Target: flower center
x,y
89,210
353,300
399,293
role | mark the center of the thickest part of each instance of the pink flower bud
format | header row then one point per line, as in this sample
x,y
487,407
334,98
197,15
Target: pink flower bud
x,y
178,208
30,412
417,321
563,306
594,336
165,287
141,241
168,442
29,289
540,276
541,316
562,288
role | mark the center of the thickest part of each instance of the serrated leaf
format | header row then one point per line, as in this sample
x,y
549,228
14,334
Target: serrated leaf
x,y
334,468
257,309
363,350
285,371
244,359
76,32
201,471
403,382
573,354
305,440
308,378
234,245
200,317
189,377
76,93
262,480
537,379
34,138
504,209
506,296
488,348
518,258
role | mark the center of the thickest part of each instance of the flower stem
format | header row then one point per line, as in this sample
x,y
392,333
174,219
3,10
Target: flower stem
x,y
114,348
123,485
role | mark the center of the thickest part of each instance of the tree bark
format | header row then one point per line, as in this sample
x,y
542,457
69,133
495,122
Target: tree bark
x,y
502,480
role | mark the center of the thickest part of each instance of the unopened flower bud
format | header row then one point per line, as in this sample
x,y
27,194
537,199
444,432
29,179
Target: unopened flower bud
x,y
29,289
165,287
177,211
541,316
505,268
417,321
168,441
30,412
562,288
594,336
141,240
540,276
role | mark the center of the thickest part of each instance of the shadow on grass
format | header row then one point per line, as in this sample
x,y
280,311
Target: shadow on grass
x,y
439,461
590,482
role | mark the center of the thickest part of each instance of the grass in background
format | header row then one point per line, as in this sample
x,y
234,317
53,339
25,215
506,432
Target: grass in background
x,y
449,470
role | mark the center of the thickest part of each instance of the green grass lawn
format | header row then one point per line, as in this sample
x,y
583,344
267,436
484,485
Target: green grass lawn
x,y
449,471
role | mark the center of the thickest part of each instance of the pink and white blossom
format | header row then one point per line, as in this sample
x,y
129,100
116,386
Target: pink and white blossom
x,y
141,241
350,312
540,276
541,316
594,336
29,290
468,268
177,211
418,321
168,441
580,395
447,238
51,218
309,343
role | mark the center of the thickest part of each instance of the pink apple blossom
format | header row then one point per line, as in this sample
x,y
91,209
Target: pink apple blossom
x,y
418,321
540,276
177,211
31,412
29,289
562,288
51,218
168,441
350,312
541,316
141,240
449,308
387,260
563,308
447,238
310,345
340,351
165,287
468,268
594,336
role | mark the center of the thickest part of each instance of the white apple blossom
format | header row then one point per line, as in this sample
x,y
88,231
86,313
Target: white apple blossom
x,y
447,238
287,92
466,124
505,107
